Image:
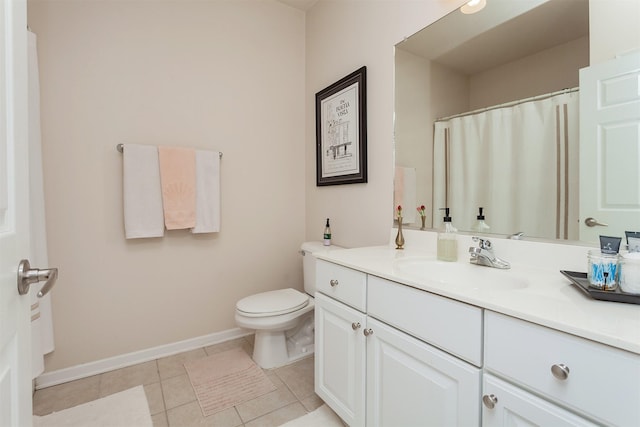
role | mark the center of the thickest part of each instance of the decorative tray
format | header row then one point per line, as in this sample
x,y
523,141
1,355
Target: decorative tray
x,y
581,282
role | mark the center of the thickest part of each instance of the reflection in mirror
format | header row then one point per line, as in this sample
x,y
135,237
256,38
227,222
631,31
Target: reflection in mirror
x,y
501,160
486,115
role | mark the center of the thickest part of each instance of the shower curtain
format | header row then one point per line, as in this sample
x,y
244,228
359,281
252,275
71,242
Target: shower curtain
x,y
520,163
41,316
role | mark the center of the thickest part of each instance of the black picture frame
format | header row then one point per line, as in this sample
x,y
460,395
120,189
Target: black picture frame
x,y
341,131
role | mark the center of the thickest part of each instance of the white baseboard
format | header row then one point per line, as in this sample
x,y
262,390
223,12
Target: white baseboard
x,y
60,376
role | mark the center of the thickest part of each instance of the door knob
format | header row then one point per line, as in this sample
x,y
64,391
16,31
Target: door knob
x,y
28,275
592,222
367,332
355,325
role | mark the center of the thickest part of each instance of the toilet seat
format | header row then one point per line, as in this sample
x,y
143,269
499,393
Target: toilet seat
x,y
272,303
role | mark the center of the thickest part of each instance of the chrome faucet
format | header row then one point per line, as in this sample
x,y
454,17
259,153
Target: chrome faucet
x,y
483,255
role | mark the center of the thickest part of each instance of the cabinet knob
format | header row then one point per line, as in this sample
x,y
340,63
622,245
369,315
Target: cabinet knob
x,y
355,325
333,282
367,332
490,400
560,371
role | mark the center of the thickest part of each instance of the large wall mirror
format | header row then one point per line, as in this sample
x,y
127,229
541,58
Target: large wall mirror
x,y
487,115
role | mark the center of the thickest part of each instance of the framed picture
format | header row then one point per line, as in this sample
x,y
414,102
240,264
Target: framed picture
x,y
341,131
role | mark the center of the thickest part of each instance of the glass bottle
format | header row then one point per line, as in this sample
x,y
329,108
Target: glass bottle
x,y
327,234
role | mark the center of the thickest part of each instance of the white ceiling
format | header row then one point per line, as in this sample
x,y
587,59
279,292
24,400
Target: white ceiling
x,y
300,4
479,43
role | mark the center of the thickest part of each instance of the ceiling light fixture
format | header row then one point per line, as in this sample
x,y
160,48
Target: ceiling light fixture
x,y
473,6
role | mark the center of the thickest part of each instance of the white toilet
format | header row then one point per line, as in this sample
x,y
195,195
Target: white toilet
x,y
283,319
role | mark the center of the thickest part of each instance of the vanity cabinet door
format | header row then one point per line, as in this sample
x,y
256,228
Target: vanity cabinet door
x,y
340,364
412,383
507,405
590,378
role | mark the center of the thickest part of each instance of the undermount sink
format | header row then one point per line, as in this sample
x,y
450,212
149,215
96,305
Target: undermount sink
x,y
458,274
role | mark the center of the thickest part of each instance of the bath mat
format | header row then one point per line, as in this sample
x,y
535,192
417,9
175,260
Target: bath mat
x,y
226,379
127,408
321,417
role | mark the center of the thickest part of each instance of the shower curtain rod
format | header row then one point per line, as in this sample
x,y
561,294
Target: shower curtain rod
x,y
510,104
120,148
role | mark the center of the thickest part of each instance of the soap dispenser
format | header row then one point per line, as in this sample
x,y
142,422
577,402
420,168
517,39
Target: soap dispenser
x,y
447,240
481,226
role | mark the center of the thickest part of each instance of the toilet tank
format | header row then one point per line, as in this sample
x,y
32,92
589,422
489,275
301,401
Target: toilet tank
x,y
309,263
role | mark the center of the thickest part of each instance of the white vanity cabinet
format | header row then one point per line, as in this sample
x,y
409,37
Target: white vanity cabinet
x,y
409,380
412,383
598,381
508,405
365,365
340,347
453,344
343,284
388,354
340,358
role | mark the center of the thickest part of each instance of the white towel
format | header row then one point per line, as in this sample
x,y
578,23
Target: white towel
x,y
207,192
143,215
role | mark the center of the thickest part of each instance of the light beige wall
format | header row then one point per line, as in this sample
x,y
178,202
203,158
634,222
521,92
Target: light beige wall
x,y
412,125
449,92
614,27
424,91
219,75
343,35
543,72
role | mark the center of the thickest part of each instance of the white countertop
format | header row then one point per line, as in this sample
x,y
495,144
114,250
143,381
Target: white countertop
x,y
547,298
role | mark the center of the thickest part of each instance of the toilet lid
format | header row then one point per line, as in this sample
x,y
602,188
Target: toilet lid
x,y
273,303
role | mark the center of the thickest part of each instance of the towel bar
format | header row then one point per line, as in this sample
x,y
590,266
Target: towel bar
x,y
120,148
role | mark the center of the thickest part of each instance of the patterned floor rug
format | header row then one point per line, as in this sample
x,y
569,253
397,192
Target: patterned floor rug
x,y
226,379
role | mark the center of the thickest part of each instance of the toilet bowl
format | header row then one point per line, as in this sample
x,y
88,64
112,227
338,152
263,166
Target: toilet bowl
x,y
282,319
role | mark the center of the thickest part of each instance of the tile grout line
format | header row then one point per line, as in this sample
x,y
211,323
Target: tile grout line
x,y
164,403
242,423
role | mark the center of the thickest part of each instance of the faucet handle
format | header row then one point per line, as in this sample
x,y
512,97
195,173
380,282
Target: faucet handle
x,y
483,243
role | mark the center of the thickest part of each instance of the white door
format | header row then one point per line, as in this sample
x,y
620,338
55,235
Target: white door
x,y
610,148
410,383
15,339
340,359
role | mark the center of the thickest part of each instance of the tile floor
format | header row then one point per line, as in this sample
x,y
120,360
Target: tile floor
x,y
172,400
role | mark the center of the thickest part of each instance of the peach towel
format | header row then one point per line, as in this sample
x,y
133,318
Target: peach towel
x,y
178,182
398,190
404,193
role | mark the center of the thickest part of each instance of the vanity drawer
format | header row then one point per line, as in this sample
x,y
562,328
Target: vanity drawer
x,y
601,381
452,326
342,283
